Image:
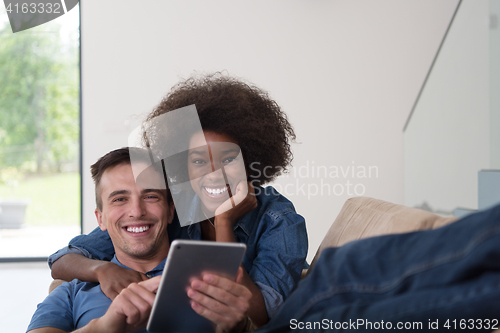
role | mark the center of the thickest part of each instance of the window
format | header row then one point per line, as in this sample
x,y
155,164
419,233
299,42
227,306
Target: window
x,y
39,137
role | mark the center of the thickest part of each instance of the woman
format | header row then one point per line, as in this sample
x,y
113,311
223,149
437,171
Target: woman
x,y
237,121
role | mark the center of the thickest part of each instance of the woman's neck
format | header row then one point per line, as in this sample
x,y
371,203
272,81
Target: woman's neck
x,y
207,230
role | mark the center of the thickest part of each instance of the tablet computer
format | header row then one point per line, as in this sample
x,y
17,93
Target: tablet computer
x,y
186,260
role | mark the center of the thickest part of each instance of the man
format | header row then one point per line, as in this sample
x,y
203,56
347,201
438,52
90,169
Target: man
x,y
136,219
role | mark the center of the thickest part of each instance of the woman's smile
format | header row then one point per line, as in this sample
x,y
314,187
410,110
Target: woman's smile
x,y
215,192
216,167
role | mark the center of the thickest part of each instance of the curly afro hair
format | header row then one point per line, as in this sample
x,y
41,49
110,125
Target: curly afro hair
x,y
246,113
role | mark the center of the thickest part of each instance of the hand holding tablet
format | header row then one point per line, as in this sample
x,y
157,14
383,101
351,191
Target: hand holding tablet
x,y
207,271
222,301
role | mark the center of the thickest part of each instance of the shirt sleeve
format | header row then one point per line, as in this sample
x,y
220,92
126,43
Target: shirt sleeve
x,y
272,298
282,250
66,250
95,245
55,311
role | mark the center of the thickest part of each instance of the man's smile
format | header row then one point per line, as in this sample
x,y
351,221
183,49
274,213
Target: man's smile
x,y
138,228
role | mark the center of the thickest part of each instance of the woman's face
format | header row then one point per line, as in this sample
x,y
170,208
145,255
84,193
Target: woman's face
x,y
215,167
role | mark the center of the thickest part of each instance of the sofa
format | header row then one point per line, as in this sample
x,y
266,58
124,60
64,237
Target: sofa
x,y
363,217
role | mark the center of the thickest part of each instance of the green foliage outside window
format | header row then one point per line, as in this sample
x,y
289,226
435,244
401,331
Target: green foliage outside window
x,y
39,104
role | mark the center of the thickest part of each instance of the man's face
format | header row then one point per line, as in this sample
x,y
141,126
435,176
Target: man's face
x,y
135,218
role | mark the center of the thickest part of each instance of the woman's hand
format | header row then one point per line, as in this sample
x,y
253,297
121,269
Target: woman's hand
x,y
114,279
245,203
241,203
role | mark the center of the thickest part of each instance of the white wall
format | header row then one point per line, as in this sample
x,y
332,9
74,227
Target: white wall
x,y
448,139
346,73
495,84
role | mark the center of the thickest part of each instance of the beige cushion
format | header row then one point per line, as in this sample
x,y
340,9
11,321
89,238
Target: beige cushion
x,y
362,217
54,284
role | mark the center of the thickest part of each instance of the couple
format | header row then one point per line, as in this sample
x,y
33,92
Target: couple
x,y
241,133
448,273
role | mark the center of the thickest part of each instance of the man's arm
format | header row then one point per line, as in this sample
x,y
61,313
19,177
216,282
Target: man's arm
x,y
74,262
130,310
228,301
113,278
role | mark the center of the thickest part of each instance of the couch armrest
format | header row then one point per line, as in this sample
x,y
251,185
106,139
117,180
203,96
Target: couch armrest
x,y
363,217
54,284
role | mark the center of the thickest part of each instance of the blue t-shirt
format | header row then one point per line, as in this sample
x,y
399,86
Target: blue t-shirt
x,y
74,304
274,233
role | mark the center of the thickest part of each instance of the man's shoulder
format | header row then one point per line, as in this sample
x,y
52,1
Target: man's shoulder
x,y
71,305
74,288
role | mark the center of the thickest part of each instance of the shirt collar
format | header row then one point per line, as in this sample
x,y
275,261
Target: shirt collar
x,y
155,271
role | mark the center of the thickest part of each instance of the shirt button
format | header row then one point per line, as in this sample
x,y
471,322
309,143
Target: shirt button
x,y
149,276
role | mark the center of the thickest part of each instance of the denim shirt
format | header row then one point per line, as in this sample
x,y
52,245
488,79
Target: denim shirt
x,y
274,233
74,304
